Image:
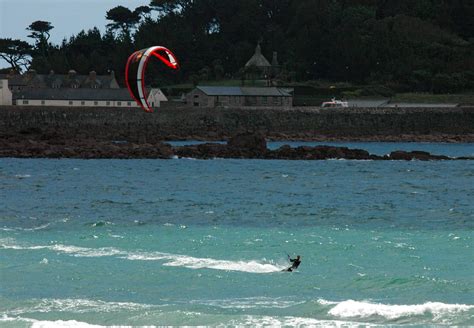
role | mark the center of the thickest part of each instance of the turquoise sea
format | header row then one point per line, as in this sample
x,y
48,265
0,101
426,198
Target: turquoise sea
x,y
91,243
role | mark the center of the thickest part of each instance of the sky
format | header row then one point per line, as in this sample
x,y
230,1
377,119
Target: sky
x,y
68,17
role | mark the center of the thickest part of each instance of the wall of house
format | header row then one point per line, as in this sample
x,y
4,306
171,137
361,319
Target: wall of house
x,y
75,103
197,98
5,93
173,122
155,97
268,101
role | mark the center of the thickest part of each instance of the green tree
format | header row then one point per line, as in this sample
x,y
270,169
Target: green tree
x,y
122,18
167,7
40,32
16,53
143,12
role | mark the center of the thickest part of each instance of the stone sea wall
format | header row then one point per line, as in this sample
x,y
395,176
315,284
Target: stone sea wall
x,y
173,122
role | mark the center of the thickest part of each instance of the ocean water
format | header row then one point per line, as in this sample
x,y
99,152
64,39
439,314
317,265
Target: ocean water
x,y
86,243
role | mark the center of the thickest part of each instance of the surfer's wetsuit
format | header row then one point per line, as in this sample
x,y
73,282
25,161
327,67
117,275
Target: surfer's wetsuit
x,y
296,262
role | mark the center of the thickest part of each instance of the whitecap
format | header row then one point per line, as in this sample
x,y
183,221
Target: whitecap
x,y
249,303
22,176
63,324
41,227
355,309
289,321
77,306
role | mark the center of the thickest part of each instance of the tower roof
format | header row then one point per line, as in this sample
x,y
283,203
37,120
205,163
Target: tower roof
x,y
258,59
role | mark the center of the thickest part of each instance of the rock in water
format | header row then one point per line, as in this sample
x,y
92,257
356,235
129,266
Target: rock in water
x,y
254,142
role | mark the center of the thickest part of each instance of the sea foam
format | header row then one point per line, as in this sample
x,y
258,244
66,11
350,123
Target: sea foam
x,y
175,260
290,321
355,309
76,306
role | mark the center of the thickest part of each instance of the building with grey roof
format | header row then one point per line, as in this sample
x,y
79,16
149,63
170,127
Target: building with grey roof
x,y
217,96
258,59
92,97
258,67
32,80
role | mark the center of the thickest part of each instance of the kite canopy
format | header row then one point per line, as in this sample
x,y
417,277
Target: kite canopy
x,y
135,71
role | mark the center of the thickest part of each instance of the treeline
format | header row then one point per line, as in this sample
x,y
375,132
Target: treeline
x,y
417,45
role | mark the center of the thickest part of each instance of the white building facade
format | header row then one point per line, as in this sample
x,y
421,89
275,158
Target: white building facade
x,y
83,97
6,97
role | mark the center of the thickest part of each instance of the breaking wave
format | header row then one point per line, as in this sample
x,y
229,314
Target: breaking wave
x,y
364,310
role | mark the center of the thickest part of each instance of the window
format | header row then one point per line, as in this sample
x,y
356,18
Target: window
x,y
70,102
129,103
83,103
25,102
96,103
42,102
108,103
119,103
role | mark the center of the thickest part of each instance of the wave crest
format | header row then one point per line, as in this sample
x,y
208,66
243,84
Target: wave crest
x,y
355,309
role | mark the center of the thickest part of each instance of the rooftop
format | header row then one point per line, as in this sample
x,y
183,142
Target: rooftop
x,y
74,94
243,91
258,59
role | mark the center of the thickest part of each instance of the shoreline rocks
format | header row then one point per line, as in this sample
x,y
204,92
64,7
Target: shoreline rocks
x,y
242,146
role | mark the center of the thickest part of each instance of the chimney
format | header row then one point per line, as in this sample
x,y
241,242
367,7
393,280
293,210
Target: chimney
x,y
92,76
275,59
71,74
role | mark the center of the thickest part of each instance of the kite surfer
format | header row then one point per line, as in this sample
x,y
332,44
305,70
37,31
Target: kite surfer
x,y
295,263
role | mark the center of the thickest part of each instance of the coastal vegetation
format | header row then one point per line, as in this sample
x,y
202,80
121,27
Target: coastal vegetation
x,y
400,46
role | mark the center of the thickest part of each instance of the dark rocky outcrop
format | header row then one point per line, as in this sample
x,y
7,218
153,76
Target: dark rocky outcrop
x,y
34,143
244,145
82,148
253,142
250,146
